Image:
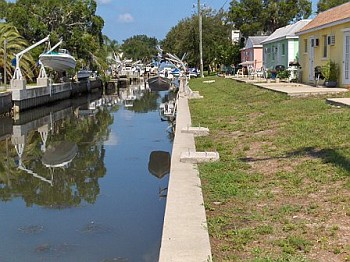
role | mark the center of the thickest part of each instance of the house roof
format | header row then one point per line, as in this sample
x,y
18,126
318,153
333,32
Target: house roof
x,y
254,41
335,15
287,31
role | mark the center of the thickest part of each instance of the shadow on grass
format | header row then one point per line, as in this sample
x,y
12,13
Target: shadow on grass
x,y
328,155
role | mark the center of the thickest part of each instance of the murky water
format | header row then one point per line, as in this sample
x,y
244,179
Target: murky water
x,y
79,181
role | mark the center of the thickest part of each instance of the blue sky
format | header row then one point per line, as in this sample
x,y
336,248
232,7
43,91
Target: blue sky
x,y
154,18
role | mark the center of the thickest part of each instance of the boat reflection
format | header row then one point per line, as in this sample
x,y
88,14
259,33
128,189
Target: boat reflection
x,y
159,163
42,148
60,154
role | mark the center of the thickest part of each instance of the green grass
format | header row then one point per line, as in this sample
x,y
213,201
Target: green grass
x,y
284,170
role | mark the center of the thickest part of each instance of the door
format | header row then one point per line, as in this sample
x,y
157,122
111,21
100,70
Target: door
x,y
311,59
346,57
279,54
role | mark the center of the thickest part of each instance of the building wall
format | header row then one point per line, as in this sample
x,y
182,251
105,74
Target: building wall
x,y
280,53
253,54
293,50
323,52
258,58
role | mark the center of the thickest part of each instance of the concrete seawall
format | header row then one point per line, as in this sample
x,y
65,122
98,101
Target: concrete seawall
x,y
185,234
5,102
20,99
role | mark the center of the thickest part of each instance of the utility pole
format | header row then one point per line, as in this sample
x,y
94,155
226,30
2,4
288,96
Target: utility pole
x,y
200,38
5,60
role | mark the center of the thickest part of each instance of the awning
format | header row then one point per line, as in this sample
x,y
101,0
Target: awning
x,y
246,63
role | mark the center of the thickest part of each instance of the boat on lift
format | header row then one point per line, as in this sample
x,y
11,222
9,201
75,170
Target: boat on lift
x,y
83,74
59,61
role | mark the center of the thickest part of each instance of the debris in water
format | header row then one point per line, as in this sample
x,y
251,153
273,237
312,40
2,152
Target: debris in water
x,y
93,227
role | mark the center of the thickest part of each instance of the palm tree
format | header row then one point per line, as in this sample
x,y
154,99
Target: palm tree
x,y
14,44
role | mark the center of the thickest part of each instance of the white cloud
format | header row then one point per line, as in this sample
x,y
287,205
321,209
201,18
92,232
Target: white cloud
x,y
125,18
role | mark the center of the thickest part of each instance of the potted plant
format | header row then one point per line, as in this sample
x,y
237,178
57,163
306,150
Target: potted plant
x,y
330,72
268,75
284,74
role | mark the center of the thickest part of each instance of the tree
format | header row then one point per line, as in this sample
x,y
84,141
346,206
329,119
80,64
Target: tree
x,y
3,8
140,47
184,38
14,44
254,17
74,21
324,5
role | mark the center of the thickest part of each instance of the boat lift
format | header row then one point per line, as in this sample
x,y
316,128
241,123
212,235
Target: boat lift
x,y
17,80
18,74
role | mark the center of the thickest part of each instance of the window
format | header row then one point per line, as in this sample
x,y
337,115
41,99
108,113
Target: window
x,y
283,49
305,45
325,42
331,40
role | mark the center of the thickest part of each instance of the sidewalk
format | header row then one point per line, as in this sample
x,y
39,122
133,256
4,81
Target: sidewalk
x,y
291,89
296,89
185,235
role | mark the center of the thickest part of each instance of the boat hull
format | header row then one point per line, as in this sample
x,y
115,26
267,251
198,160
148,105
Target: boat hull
x,y
83,74
58,62
159,83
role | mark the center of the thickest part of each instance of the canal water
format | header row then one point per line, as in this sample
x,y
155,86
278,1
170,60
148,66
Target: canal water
x,y
85,179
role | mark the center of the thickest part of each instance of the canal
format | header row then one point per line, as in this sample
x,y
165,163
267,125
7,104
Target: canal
x,y
85,179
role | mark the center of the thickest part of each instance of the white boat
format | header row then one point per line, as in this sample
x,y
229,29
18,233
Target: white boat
x,y
83,74
58,61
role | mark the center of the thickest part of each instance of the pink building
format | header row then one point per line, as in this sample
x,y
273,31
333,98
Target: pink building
x,y
252,53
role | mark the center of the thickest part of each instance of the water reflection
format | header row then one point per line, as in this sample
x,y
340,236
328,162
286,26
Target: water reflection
x,y
159,163
62,180
44,148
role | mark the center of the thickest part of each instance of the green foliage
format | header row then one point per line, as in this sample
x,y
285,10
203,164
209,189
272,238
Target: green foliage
x,y
217,47
3,8
74,21
283,74
15,44
254,16
324,5
330,71
140,47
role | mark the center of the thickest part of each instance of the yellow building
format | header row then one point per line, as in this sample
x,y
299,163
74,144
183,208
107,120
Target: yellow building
x,y
326,37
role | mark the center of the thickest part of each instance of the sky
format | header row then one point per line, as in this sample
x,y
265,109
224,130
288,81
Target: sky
x,y
154,18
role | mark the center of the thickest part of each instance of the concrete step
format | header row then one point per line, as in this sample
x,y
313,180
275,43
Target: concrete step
x,y
199,157
196,131
339,101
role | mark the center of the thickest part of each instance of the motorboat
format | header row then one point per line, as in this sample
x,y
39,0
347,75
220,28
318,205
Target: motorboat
x,y
159,83
59,61
83,74
175,72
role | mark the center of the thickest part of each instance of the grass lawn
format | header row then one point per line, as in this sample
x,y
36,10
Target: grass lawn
x,y
281,190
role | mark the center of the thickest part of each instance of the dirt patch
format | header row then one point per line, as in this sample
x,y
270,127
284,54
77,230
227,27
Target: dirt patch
x,y
289,214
